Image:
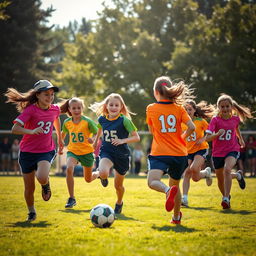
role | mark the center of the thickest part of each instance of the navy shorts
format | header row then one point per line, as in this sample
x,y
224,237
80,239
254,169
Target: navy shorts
x,y
120,163
28,161
203,153
219,162
174,166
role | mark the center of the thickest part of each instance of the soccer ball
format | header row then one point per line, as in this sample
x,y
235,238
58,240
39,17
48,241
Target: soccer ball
x,y
102,216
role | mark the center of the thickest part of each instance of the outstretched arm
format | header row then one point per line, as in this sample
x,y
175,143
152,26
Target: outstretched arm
x,y
133,138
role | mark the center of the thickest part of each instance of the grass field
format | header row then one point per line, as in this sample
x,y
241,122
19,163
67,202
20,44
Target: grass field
x,y
142,229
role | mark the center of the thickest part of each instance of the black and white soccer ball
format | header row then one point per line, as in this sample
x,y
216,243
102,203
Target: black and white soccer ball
x,y
102,216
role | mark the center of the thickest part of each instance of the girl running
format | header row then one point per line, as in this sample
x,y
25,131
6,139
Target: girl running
x,y
197,146
168,153
115,125
227,139
37,149
80,149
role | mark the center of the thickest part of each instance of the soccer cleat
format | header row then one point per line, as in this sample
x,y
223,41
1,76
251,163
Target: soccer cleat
x,y
241,182
118,208
209,176
31,216
104,182
70,203
46,191
170,196
184,202
177,221
225,204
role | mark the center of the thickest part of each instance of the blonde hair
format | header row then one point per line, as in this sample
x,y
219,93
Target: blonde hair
x,y
175,92
65,104
100,108
21,100
202,109
240,110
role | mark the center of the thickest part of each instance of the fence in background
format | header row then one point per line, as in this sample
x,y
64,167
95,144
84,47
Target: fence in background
x,y
61,159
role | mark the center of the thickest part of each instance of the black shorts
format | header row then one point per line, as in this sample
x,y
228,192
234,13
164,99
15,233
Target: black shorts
x,y
203,153
219,162
174,166
121,163
28,161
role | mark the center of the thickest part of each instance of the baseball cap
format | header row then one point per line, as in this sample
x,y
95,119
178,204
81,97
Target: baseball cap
x,y
44,85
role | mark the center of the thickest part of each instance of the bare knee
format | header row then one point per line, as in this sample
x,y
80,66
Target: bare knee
x,y
88,179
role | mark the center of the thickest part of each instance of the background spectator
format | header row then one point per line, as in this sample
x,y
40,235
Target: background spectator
x,y
5,148
137,158
14,155
251,154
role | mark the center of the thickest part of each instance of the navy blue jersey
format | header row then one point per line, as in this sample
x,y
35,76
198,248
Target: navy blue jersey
x,y
118,128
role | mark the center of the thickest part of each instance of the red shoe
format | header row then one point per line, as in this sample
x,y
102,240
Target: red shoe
x,y
225,204
170,196
177,221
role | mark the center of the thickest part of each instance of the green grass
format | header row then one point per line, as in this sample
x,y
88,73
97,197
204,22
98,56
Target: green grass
x,y
142,229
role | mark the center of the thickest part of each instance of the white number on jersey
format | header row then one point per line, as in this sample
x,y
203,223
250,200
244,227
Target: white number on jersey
x,y
110,135
169,124
45,126
226,135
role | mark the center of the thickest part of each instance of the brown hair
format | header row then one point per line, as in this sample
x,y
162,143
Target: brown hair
x,y
21,100
175,92
202,109
65,104
242,111
100,108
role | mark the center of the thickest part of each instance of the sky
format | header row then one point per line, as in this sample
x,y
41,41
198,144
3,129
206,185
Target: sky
x,y
72,10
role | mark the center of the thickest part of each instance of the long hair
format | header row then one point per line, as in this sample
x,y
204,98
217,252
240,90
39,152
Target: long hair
x,y
202,109
100,108
65,104
240,110
175,92
21,100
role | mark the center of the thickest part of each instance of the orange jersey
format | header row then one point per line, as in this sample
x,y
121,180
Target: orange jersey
x,y
201,126
165,120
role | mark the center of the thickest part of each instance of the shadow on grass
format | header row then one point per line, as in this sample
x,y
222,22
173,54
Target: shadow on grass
x,y
176,228
123,217
198,208
75,211
25,224
242,212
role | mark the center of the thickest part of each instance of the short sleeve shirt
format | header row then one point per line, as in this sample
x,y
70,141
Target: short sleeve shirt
x,y
33,117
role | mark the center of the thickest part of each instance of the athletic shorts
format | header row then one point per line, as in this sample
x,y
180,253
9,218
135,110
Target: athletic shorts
x,y
174,166
219,162
120,163
28,161
86,160
203,153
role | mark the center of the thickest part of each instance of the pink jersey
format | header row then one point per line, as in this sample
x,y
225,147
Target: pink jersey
x,y
227,142
33,117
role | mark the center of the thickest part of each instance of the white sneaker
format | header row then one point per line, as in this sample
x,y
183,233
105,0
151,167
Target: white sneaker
x,y
209,176
184,202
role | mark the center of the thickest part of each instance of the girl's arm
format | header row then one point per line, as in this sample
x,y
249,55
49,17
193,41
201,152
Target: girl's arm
x,y
18,129
191,128
150,129
133,138
210,137
99,133
240,137
56,125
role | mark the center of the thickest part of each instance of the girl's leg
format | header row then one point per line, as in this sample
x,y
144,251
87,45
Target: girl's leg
x,y
104,167
195,167
186,184
89,176
42,174
154,181
220,177
29,185
118,181
177,200
228,176
71,163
